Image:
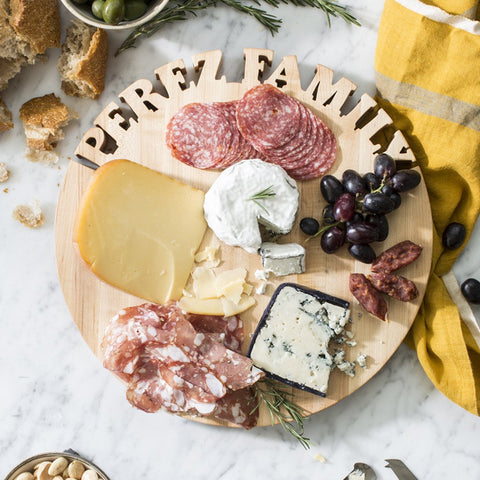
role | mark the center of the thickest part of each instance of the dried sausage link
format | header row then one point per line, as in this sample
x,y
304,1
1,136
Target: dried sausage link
x,y
394,286
368,297
398,256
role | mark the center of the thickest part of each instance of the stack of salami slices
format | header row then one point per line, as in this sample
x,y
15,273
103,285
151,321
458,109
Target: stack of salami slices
x,y
265,123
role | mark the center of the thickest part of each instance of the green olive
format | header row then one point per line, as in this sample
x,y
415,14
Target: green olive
x,y
113,11
134,9
97,8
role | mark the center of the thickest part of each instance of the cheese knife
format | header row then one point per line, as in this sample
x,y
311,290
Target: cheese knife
x,y
400,469
361,471
86,163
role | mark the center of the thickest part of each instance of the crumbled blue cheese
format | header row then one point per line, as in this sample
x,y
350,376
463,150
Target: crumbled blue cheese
x,y
362,360
293,341
348,368
283,259
234,206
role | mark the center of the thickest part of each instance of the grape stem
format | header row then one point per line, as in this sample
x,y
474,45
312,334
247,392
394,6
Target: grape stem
x,y
322,229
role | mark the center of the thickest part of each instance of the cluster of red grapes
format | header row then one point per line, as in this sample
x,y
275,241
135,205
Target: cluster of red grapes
x,y
357,207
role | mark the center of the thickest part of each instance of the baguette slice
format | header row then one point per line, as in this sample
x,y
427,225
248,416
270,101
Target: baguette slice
x,y
43,119
83,62
5,117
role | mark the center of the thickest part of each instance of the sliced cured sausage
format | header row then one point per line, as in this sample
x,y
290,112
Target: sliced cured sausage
x,y
398,256
394,286
169,364
368,297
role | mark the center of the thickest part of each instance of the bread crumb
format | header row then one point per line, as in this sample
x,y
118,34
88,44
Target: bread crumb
x,y
320,458
43,119
5,190
30,215
4,173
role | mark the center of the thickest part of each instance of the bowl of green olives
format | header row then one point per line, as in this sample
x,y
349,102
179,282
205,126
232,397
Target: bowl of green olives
x,y
114,14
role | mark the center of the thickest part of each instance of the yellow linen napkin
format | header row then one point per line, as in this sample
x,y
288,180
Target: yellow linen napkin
x,y
428,81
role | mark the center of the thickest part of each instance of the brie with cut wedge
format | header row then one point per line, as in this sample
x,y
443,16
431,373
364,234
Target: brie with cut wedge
x,y
247,194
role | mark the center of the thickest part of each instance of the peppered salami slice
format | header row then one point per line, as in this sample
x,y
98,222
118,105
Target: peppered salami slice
x,y
321,160
267,117
285,155
200,135
302,158
239,149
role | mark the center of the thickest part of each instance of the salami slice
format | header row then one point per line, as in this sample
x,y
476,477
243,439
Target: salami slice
x,y
200,135
319,161
267,117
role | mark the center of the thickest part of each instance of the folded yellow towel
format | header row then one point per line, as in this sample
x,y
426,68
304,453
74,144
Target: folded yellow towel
x,y
428,81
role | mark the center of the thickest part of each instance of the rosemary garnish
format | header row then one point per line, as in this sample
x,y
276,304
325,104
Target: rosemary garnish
x,y
322,229
261,195
180,9
281,408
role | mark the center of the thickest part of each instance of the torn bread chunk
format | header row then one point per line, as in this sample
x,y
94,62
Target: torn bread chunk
x,y
43,119
5,117
27,29
83,62
4,173
30,215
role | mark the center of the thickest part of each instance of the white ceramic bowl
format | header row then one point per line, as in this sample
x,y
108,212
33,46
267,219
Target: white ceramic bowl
x,y
84,13
28,464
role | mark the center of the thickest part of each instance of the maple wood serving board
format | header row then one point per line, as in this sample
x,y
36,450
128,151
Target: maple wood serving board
x,y
135,131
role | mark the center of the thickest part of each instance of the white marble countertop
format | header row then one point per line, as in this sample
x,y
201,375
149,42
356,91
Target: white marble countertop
x,y
55,393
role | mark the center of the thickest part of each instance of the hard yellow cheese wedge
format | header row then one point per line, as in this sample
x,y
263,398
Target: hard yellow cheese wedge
x,y
215,306
226,293
139,229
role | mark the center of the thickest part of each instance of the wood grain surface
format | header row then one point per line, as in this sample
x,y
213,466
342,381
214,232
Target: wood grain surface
x,y
135,131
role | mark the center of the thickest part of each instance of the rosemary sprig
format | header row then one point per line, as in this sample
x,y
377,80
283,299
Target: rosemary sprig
x,y
261,195
175,10
330,8
281,407
180,9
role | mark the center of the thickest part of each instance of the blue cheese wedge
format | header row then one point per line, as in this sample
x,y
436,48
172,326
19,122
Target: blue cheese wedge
x,y
247,194
283,259
292,339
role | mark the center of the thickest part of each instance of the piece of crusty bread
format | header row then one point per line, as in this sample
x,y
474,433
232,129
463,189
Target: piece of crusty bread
x,y
83,62
43,119
27,29
5,117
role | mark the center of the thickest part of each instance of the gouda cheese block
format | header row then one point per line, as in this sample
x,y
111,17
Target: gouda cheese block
x,y
139,229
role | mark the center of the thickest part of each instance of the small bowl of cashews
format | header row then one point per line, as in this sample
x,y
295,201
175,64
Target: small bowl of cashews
x,y
66,465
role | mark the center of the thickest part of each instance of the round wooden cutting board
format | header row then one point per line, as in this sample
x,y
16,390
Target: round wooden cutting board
x,y
136,132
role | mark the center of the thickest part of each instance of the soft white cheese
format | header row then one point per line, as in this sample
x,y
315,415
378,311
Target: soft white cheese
x,y
283,259
293,343
233,213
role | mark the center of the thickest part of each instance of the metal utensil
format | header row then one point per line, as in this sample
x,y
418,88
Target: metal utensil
x,y
400,469
361,471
